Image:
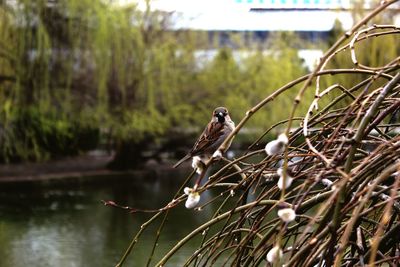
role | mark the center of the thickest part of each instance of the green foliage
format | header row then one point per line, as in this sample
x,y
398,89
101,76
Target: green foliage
x,y
101,67
122,70
372,52
32,135
240,84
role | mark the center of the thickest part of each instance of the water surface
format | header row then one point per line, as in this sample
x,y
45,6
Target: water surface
x,y
66,225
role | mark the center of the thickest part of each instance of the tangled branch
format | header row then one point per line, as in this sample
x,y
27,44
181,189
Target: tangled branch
x,y
326,192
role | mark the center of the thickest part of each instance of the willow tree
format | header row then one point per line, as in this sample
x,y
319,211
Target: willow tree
x,y
69,67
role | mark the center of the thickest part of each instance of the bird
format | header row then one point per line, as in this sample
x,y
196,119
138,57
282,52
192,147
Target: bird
x,y
216,131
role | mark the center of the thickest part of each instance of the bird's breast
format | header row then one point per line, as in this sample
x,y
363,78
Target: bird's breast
x,y
230,125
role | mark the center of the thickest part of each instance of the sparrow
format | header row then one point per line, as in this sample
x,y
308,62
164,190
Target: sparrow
x,y
212,137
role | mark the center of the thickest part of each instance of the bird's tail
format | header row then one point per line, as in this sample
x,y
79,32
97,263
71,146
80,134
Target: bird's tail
x,y
181,161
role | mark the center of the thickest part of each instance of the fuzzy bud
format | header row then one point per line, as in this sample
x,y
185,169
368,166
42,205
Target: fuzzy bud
x,y
275,254
287,214
197,164
283,138
217,154
193,198
288,179
327,182
277,146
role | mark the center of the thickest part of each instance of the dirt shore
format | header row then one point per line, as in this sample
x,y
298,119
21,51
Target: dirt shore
x,y
85,165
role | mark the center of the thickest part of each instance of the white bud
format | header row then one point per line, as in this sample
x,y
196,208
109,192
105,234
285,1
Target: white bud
x,y
327,182
192,200
287,214
274,255
217,154
288,179
269,177
232,193
187,190
274,148
196,161
384,197
197,164
283,138
230,154
277,146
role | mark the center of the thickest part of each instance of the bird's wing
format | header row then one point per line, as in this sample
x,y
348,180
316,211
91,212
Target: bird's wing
x,y
210,135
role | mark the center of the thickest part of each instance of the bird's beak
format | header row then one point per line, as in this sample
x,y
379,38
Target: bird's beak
x,y
221,114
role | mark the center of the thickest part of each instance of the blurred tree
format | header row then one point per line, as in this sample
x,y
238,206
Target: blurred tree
x,y
86,65
73,71
243,77
375,52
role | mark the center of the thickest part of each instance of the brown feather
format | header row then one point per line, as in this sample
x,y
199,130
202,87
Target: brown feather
x,y
210,134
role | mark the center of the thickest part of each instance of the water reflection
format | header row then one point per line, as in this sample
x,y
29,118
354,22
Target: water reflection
x,y
66,224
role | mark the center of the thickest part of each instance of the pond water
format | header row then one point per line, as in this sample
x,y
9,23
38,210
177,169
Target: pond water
x,y
65,223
